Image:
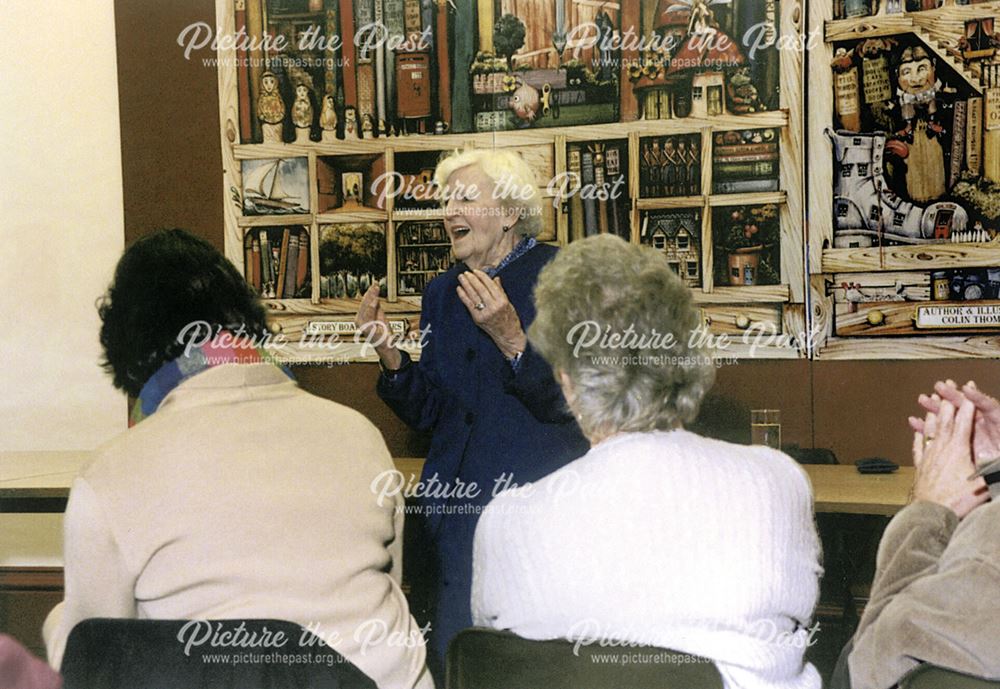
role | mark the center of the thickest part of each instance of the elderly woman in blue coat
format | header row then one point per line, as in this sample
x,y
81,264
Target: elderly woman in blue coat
x,y
495,412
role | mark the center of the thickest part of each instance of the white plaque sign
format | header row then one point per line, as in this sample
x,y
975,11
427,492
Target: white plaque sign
x,y
346,327
992,118
951,316
330,328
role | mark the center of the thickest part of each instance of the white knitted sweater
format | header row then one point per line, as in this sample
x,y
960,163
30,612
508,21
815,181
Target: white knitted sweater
x,y
667,539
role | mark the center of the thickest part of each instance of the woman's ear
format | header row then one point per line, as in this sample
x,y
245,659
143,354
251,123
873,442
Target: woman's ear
x,y
511,215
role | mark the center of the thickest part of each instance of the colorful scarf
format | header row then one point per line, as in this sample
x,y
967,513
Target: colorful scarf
x,y
523,247
236,350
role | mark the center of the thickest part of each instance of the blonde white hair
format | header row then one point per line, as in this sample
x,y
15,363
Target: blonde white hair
x,y
508,169
615,287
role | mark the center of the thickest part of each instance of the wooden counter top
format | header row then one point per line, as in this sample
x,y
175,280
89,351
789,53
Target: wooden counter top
x,y
840,488
837,488
39,474
25,475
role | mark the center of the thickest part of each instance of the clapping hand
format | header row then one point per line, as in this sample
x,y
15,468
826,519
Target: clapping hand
x,y
942,454
492,311
986,426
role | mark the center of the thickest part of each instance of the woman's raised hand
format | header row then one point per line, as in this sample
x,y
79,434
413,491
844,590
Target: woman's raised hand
x,y
372,323
492,311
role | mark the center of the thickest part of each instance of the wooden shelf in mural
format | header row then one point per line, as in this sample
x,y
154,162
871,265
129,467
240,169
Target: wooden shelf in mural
x,y
273,220
912,286
358,214
670,202
973,347
404,214
333,309
884,25
763,294
755,198
915,257
828,274
289,306
445,142
260,151
895,318
738,321
866,27
403,305
713,200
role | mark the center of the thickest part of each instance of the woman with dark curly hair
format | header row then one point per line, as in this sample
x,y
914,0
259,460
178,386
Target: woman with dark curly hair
x,y
236,494
162,285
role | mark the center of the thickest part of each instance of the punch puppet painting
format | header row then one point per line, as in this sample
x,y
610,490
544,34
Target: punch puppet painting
x,y
910,135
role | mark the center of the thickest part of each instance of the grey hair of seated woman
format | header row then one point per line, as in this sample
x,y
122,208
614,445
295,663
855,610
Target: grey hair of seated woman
x,y
616,325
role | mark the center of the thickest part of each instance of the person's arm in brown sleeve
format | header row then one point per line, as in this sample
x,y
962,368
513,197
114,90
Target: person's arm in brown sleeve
x,y
928,602
928,586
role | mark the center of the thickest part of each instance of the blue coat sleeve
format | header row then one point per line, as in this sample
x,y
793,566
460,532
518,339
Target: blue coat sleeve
x,y
535,386
413,392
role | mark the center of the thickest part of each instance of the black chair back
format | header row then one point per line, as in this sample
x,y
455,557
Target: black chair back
x,y
809,455
216,654
841,677
931,677
488,659
923,677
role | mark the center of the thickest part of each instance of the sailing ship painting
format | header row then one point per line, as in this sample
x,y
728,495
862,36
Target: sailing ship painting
x,y
275,186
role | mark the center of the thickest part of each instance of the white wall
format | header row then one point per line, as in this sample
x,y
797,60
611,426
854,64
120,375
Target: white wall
x,y
61,222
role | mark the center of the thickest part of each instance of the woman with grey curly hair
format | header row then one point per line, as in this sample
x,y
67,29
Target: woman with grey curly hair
x,y
607,299
657,536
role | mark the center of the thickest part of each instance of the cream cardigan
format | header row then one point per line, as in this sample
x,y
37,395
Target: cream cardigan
x,y
667,539
245,497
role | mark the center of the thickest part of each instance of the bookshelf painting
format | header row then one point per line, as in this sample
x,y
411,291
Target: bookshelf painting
x,y
745,161
911,304
906,156
276,262
418,68
641,118
283,96
423,252
438,67
906,165
526,74
598,189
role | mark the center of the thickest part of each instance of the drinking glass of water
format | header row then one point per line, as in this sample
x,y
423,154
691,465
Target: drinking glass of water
x,y
765,427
